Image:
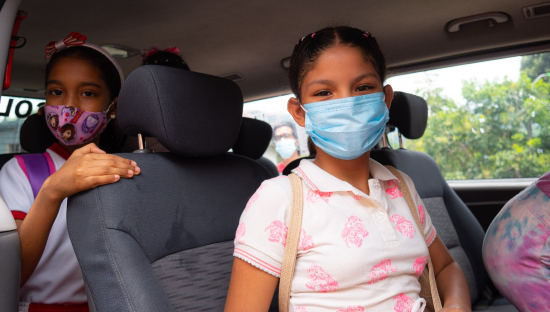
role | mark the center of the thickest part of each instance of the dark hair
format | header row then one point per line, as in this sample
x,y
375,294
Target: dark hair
x,y
107,70
284,124
166,59
308,49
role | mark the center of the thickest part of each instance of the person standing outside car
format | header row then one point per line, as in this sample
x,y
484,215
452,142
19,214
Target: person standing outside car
x,y
286,144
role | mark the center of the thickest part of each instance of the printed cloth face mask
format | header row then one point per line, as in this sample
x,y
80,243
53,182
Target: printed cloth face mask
x,y
74,126
347,128
286,147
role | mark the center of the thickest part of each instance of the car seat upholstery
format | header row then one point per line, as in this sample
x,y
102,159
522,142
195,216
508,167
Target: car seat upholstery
x,y
253,140
163,240
455,224
10,260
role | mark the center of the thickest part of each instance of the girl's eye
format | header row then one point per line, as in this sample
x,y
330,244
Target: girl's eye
x,y
322,93
362,88
56,92
88,93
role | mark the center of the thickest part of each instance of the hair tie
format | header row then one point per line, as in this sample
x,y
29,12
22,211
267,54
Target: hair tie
x,y
366,34
313,34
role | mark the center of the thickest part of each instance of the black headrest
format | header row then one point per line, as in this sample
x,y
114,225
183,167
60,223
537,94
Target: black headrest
x,y
254,138
191,114
409,113
35,136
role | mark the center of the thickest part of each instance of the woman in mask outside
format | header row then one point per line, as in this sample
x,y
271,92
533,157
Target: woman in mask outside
x,y
286,144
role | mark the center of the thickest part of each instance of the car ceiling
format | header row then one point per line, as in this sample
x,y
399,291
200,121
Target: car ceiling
x,y
252,37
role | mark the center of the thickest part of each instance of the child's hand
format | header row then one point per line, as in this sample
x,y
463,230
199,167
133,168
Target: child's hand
x,y
88,167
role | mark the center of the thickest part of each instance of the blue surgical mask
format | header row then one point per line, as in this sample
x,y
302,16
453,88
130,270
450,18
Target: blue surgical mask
x,y
347,128
286,147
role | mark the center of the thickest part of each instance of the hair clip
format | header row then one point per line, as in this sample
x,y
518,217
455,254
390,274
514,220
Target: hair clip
x,y
73,39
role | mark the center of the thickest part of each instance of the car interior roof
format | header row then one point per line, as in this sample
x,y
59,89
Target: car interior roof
x,y
251,38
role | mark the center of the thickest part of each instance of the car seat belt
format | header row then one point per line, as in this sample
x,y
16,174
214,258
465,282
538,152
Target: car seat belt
x,y
37,168
21,15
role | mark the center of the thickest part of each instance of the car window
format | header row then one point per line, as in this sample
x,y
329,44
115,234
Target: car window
x,y
274,112
486,120
13,112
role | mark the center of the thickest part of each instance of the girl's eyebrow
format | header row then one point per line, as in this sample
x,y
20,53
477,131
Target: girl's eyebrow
x,y
367,75
82,84
320,81
329,82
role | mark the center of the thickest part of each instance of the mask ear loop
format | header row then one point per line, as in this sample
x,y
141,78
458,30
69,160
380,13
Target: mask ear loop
x,y
113,116
302,106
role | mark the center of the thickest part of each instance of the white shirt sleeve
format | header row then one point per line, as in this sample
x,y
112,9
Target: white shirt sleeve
x,y
261,235
425,220
15,187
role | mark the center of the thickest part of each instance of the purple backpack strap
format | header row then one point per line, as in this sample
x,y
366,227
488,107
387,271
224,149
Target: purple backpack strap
x,y
37,168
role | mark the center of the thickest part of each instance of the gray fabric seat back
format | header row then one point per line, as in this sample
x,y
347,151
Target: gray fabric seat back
x,y
163,240
253,140
10,260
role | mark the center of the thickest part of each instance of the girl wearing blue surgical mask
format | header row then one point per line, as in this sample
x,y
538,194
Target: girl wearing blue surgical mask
x,y
286,144
359,247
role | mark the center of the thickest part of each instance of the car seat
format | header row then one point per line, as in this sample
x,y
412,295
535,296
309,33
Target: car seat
x,y
455,224
10,260
253,140
163,240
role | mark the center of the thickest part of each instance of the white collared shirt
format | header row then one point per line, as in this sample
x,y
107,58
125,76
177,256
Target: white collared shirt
x,y
356,252
57,278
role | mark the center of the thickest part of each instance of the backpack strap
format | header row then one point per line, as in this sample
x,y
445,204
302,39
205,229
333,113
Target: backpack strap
x,y
292,239
427,281
37,168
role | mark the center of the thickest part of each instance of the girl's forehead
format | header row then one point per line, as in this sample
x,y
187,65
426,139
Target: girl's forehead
x,y
340,62
74,70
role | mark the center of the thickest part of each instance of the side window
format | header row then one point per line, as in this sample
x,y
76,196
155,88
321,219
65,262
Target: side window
x,y
289,140
13,112
487,120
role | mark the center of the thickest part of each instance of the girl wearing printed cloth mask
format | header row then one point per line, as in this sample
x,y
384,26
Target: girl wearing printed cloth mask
x,y
359,248
82,85
286,144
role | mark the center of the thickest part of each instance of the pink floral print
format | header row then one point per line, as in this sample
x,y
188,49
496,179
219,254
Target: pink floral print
x,y
354,231
421,214
403,225
240,233
418,265
306,242
319,280
380,271
352,309
277,232
356,197
254,197
393,190
300,309
313,196
404,303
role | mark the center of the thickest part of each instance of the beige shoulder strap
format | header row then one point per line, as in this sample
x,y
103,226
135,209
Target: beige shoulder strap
x,y
292,240
402,185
